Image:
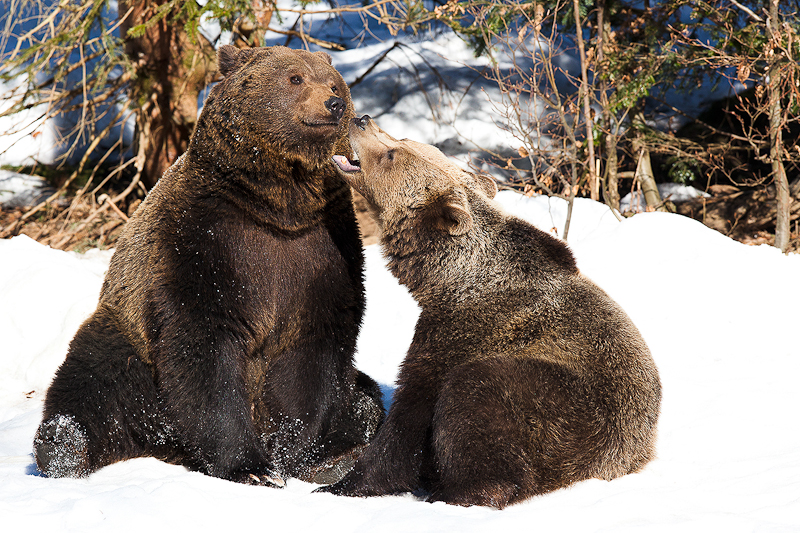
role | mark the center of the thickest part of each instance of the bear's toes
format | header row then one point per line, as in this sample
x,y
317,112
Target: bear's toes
x,y
351,485
332,470
268,480
343,488
497,495
61,448
356,485
265,477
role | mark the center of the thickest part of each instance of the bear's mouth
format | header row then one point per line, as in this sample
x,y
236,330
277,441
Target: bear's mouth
x,y
345,165
321,124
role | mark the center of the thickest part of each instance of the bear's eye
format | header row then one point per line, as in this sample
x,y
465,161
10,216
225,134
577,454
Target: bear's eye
x,y
334,89
296,80
390,155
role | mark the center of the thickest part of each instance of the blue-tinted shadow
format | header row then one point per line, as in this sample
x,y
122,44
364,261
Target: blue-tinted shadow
x,y
388,395
32,469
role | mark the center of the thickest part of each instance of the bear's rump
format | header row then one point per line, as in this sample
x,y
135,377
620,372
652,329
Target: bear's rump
x,y
528,421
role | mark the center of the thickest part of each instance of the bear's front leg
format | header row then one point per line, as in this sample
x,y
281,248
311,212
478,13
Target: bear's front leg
x,y
204,395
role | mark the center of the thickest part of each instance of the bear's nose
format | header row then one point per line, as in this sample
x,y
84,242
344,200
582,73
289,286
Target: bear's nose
x,y
336,106
362,122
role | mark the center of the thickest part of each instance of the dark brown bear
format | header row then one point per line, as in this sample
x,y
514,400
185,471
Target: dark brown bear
x,y
227,322
523,376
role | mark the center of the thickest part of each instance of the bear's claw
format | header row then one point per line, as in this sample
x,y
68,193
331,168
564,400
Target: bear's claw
x,y
265,479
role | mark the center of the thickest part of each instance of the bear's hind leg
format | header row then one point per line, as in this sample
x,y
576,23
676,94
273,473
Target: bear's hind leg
x,y
508,428
478,443
102,407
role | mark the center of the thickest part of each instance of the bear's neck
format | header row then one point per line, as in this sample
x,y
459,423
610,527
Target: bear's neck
x,y
435,267
271,188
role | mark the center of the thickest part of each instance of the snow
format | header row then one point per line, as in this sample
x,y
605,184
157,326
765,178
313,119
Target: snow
x,y
717,315
674,192
20,190
27,138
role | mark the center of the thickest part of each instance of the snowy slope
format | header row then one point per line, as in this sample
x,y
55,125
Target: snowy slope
x,y
720,318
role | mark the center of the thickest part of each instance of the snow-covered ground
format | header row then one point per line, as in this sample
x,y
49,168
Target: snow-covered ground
x,y
719,316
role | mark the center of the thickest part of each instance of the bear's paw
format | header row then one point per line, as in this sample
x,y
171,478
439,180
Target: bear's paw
x,y
60,448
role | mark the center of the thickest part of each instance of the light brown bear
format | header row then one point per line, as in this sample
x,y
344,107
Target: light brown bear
x,y
227,323
523,376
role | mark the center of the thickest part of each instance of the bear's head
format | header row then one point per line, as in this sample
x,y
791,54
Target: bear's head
x,y
275,100
404,179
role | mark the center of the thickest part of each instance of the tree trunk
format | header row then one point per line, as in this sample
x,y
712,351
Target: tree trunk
x,y
573,185
164,89
611,185
782,230
594,183
644,170
612,169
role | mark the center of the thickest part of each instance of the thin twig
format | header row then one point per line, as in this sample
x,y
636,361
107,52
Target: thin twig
x,y
106,198
319,42
747,10
373,65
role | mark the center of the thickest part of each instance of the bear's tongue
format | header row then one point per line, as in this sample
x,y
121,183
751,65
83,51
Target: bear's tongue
x,y
345,164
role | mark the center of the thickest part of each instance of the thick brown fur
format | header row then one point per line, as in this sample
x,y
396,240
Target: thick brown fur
x,y
227,322
523,376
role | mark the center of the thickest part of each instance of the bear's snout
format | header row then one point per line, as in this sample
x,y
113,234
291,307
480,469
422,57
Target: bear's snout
x,y
362,122
336,106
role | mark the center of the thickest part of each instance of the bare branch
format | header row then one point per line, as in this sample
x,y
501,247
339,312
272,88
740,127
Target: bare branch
x,y
747,10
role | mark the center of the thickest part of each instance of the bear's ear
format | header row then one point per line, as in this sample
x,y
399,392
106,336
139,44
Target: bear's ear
x,y
227,59
324,56
230,59
486,184
451,213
